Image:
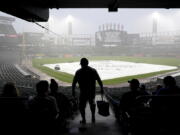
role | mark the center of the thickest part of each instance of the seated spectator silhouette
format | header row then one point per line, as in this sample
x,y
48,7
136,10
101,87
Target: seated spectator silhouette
x,y
130,106
13,112
10,90
165,105
44,110
62,101
170,87
128,99
65,110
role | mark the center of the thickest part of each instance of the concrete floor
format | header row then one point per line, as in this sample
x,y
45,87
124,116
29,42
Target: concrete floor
x,y
103,126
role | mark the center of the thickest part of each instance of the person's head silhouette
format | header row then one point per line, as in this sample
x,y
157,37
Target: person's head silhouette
x,y
42,88
53,86
134,84
10,90
169,81
84,62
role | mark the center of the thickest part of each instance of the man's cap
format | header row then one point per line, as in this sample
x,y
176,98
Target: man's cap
x,y
134,81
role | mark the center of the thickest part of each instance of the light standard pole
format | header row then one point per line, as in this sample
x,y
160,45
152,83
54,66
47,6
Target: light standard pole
x,y
70,32
154,28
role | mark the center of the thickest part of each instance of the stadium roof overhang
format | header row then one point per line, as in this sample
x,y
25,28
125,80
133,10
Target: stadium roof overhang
x,y
38,10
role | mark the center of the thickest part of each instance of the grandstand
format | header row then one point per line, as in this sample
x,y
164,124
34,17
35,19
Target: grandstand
x,y
110,41
11,73
8,35
24,80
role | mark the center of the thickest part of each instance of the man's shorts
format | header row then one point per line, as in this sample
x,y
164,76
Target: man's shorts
x,y
83,99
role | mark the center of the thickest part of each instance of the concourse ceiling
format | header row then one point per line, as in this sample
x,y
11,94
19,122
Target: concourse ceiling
x,y
38,10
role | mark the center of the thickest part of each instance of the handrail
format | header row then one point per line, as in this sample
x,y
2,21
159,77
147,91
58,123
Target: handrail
x,y
22,71
111,98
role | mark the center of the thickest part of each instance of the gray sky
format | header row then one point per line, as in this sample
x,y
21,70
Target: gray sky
x,y
86,21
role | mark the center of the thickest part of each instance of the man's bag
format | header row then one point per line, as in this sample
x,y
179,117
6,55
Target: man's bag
x,y
103,108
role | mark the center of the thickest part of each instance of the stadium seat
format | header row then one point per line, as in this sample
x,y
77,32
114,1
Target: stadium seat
x,y
9,73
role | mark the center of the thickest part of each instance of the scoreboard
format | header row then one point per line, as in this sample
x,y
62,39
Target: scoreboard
x,y
110,37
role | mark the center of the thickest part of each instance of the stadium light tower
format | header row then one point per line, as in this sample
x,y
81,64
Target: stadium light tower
x,y
155,17
70,20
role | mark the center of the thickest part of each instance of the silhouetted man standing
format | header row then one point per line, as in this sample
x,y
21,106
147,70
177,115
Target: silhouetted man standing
x,y
86,77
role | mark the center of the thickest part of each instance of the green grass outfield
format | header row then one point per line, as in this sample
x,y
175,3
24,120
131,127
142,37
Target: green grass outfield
x,y
65,77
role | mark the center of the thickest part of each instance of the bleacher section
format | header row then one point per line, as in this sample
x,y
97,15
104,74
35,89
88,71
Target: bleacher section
x,y
10,73
8,35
